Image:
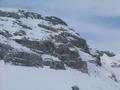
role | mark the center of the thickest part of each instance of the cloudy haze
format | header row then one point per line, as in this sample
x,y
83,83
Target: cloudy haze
x,y
96,20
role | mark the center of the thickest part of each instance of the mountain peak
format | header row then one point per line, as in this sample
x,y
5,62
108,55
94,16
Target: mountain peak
x,y
25,33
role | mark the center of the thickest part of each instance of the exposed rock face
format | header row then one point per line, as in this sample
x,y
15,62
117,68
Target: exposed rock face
x,y
29,36
21,14
79,65
9,14
98,54
23,59
108,53
45,46
55,20
4,49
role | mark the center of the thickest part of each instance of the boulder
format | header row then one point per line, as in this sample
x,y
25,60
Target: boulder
x,y
75,88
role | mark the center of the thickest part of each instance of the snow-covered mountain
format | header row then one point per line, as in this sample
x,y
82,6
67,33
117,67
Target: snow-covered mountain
x,y
44,53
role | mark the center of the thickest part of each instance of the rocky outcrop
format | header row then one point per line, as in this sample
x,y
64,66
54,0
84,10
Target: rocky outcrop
x,y
23,59
54,38
55,20
20,14
43,46
4,49
9,14
75,88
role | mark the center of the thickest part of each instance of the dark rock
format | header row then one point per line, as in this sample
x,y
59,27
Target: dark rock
x,y
4,50
55,20
5,33
23,59
45,46
22,25
115,65
113,77
75,88
79,65
57,65
32,15
65,54
80,43
62,49
21,14
61,39
98,55
98,60
48,28
108,53
9,14
20,33
74,54
76,41
54,64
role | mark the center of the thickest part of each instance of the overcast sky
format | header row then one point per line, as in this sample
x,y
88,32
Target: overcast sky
x,y
98,21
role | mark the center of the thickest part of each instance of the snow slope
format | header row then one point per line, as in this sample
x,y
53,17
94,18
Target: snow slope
x,y
29,78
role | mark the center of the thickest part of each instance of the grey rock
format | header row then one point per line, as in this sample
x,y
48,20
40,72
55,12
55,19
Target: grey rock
x,y
4,50
5,33
48,28
55,20
75,88
57,65
79,65
44,46
27,14
23,59
9,14
22,25
20,33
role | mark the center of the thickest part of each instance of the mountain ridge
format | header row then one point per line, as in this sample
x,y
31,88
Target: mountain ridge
x,y
45,35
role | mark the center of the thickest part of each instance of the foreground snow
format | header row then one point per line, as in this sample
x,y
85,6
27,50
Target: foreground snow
x,y
29,78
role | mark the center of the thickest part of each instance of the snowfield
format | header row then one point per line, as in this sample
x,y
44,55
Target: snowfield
x,y
29,78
